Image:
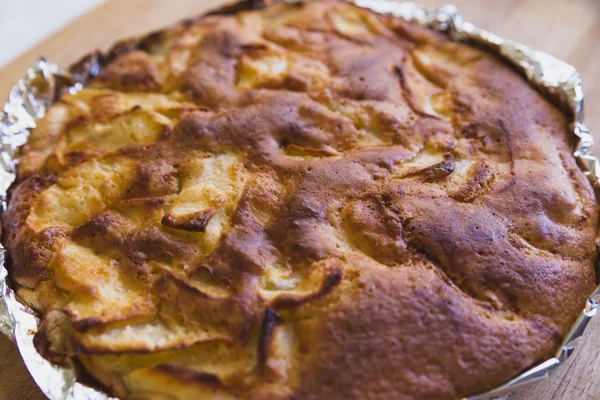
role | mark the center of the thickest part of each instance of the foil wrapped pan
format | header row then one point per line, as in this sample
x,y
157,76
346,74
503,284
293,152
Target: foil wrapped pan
x,y
45,81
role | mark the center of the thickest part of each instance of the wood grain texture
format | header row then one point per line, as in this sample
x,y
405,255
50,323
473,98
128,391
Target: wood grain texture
x,y
568,29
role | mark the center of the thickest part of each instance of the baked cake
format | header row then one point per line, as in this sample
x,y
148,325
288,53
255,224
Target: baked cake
x,y
308,201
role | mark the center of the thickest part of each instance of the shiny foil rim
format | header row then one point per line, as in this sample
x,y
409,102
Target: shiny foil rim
x,y
32,95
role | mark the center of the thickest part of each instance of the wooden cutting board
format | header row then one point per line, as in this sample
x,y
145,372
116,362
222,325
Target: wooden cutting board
x,y
570,30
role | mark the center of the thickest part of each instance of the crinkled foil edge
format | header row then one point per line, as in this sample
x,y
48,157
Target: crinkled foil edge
x,y
30,98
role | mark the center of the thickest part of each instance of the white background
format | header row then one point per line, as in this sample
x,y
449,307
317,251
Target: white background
x,y
23,23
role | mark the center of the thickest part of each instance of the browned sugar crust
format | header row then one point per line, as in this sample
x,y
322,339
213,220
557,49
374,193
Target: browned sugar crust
x,y
311,202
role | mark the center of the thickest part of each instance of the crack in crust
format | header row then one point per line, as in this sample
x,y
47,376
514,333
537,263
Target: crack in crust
x,y
245,204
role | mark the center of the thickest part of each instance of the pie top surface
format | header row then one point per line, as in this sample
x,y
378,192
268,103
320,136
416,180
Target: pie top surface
x,y
310,201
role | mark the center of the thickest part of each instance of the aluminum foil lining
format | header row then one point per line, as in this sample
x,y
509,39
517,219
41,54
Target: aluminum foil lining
x,y
42,84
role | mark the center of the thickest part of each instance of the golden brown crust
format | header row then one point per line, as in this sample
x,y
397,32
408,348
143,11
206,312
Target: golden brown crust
x,y
311,201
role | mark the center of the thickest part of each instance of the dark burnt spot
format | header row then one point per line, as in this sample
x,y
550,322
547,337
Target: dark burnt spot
x,y
437,171
244,5
400,73
188,375
270,321
86,324
190,222
290,301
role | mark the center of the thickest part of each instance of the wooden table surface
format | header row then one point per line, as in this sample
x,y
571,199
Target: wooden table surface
x,y
568,29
